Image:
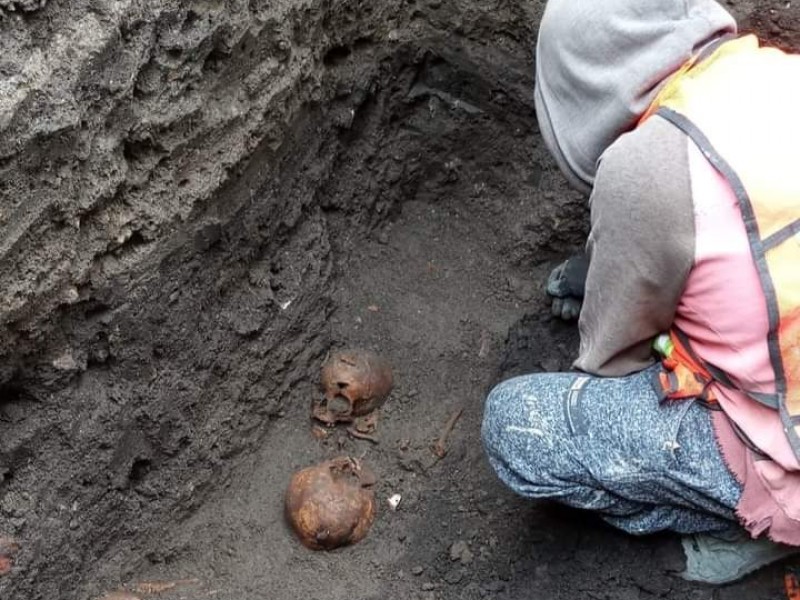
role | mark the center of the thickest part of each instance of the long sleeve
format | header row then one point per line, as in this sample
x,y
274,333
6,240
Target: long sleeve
x,y
641,248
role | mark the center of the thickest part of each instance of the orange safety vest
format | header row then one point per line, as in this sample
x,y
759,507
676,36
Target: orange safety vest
x,y
741,107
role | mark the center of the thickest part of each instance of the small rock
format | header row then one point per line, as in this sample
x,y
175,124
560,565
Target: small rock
x,y
418,570
66,362
428,587
394,501
494,587
460,551
551,365
71,295
456,549
454,576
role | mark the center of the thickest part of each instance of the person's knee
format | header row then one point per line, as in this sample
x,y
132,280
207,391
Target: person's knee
x,y
527,412
502,412
522,431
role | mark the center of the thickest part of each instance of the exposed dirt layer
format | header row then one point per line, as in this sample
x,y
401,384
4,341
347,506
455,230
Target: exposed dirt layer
x,y
199,201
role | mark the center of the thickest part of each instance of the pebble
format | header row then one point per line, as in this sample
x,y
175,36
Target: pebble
x,y
550,365
454,576
428,587
493,587
418,570
460,551
66,362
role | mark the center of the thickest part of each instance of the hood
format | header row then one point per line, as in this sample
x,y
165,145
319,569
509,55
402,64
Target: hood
x,y
600,63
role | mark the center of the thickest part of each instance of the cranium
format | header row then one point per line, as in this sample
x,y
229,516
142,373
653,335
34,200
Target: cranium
x,y
354,383
331,504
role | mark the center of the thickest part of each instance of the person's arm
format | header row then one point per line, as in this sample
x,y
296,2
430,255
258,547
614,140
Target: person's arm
x,y
641,248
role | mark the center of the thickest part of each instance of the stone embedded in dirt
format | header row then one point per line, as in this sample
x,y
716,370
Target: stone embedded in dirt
x,y
8,549
66,362
331,504
551,365
460,551
491,588
354,383
454,575
394,501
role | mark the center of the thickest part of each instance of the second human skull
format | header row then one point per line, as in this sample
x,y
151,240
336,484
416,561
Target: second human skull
x,y
354,383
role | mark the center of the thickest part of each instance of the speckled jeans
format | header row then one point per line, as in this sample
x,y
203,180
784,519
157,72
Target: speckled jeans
x,y
607,445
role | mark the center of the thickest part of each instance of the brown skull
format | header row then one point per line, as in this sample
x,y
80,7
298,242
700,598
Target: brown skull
x,y
331,504
354,382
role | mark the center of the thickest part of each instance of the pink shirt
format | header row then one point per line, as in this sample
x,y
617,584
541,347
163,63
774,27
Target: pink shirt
x,y
724,313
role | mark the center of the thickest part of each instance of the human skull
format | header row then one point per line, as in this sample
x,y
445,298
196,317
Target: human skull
x,y
354,383
331,504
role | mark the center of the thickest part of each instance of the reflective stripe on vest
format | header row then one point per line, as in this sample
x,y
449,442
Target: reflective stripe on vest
x,y
741,107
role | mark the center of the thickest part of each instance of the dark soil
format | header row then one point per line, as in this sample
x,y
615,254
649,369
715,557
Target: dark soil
x,y
395,196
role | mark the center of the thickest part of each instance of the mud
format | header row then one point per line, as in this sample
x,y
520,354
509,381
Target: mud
x,y
199,201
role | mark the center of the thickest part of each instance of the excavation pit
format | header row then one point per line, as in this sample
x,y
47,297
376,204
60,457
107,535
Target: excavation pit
x,y
199,203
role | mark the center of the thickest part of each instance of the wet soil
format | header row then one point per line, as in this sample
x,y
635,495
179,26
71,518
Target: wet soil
x,y
395,196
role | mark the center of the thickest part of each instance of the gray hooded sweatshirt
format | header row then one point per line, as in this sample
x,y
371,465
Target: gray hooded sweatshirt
x,y
599,65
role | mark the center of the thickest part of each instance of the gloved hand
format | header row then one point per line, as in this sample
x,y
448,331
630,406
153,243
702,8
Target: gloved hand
x,y
568,309
566,285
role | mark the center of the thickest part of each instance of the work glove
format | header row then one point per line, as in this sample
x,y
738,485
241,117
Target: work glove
x,y
566,286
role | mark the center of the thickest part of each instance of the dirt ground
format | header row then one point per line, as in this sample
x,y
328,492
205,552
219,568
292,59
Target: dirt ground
x,y
392,194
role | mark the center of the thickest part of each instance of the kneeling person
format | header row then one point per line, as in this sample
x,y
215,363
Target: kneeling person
x,y
684,135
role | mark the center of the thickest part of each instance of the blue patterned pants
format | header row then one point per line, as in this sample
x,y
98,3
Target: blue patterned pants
x,y
607,445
